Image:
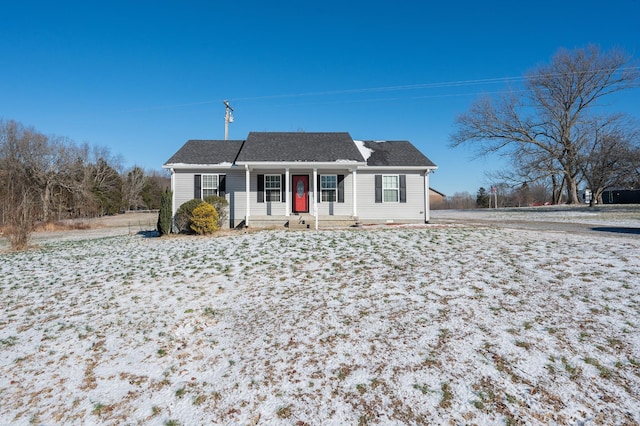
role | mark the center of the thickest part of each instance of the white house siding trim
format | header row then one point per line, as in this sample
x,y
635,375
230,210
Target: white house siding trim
x,y
287,183
173,193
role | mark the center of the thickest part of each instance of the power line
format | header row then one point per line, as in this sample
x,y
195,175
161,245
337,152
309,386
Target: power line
x,y
438,85
447,84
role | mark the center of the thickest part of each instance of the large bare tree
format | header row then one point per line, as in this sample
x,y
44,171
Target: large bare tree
x,y
543,126
132,187
19,193
611,154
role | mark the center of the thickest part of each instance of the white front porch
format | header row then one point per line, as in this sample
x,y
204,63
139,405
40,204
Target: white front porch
x,y
300,196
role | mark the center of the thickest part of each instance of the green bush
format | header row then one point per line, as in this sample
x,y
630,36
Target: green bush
x,y
184,214
164,217
204,219
221,204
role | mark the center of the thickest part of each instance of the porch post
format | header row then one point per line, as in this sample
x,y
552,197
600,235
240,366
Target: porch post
x,y
354,176
173,200
288,192
247,178
315,195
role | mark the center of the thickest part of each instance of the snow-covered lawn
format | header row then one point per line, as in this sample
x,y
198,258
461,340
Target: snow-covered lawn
x,y
606,215
392,325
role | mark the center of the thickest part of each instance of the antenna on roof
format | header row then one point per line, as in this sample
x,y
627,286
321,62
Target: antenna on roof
x,y
228,118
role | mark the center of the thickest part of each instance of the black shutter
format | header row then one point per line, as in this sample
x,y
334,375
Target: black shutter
x,y
341,188
222,185
197,186
403,188
261,188
283,189
378,188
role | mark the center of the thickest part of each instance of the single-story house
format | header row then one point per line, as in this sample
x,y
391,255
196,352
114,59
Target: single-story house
x,y
298,178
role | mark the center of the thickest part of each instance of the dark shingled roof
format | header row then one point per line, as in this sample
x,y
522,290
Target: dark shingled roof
x,y
299,146
396,153
206,152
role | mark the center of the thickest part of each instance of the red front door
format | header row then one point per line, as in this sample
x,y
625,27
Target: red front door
x,y
300,193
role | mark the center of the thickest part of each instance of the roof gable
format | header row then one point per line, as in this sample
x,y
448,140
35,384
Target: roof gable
x,y
299,147
395,154
207,152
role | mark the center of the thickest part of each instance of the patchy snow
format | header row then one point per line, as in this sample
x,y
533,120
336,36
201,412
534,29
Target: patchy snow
x,y
366,152
618,215
417,325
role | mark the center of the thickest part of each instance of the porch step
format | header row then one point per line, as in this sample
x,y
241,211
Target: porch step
x,y
302,222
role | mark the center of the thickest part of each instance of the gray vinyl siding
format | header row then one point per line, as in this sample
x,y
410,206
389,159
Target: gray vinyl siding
x,y
335,208
236,196
413,210
184,187
265,208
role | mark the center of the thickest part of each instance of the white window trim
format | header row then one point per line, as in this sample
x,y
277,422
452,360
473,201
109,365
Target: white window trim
x,y
267,191
397,189
203,188
335,189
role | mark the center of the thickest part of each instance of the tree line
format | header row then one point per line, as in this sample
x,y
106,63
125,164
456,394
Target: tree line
x,y
559,131
499,195
50,178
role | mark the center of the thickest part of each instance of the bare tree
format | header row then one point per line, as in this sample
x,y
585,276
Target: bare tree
x,y
610,154
460,200
132,186
18,192
543,124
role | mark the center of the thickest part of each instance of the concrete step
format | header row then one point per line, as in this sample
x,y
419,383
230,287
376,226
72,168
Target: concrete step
x,y
302,222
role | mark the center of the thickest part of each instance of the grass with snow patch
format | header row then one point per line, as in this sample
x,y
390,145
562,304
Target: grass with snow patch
x,y
417,325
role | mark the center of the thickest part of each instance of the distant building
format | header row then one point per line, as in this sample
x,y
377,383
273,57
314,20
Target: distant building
x,y
436,199
621,196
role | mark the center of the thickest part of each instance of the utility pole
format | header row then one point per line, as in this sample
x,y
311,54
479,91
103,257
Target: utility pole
x,y
228,118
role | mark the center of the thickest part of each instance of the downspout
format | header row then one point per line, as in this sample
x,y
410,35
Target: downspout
x,y
354,176
427,203
248,197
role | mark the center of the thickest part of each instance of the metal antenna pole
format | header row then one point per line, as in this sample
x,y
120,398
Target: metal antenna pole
x,y
228,118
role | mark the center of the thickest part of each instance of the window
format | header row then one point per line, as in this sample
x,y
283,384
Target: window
x,y
272,187
209,185
328,188
390,189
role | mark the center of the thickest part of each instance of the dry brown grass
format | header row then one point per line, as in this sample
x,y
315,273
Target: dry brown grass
x,y
71,225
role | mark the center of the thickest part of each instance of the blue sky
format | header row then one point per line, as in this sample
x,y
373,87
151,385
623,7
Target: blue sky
x,y
142,77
